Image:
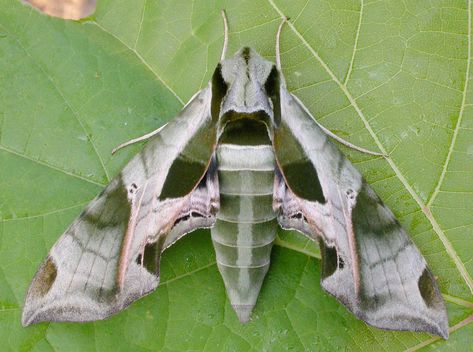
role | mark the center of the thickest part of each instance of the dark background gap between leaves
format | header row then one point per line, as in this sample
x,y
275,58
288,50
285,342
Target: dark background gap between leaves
x,y
381,74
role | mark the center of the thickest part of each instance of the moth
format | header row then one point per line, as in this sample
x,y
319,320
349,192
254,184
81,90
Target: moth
x,y
243,157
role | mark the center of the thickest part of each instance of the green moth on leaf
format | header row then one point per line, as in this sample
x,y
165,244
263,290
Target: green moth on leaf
x,y
243,157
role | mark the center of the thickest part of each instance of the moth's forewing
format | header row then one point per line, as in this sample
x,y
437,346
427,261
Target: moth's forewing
x,y
369,262
102,262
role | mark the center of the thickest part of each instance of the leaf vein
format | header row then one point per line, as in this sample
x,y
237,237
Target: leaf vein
x,y
141,25
43,163
74,112
55,211
452,329
143,61
355,45
460,117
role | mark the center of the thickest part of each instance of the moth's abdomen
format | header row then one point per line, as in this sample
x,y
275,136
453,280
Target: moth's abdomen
x,y
246,224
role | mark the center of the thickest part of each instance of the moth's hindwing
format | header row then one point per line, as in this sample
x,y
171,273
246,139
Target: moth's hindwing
x,y
368,261
109,256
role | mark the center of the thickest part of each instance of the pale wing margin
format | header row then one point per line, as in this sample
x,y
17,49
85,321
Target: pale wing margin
x,y
78,281
368,261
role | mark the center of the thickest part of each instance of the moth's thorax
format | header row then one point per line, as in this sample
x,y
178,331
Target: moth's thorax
x,y
244,77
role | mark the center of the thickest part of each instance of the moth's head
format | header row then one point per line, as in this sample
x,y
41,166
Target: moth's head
x,y
246,86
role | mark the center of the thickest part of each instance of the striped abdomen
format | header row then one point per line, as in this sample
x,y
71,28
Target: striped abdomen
x,y
246,224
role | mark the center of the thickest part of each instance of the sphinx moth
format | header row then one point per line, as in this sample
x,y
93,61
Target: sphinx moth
x,y
243,157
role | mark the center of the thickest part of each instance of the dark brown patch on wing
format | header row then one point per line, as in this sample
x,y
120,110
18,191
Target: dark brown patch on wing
x,y
272,90
219,90
299,172
329,259
428,289
44,281
190,166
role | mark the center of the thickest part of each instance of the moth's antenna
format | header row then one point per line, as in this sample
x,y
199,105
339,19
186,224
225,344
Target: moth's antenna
x,y
278,39
225,35
139,139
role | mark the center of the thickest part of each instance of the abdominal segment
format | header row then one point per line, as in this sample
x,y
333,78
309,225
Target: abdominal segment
x,y
246,224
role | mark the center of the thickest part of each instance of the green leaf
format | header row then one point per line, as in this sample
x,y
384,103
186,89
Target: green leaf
x,y
386,75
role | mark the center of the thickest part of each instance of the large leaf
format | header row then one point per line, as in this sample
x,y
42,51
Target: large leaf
x,y
387,75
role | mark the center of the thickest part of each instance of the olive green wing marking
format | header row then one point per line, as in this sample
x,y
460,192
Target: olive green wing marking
x,y
109,256
368,261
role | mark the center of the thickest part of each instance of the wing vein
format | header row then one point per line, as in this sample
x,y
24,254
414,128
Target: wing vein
x,y
125,251
348,225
